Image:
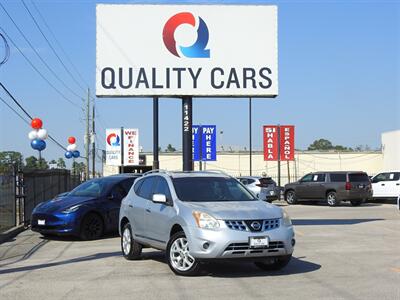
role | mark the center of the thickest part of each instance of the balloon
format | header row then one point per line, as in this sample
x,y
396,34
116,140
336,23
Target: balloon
x,y
36,123
33,135
42,134
71,140
72,147
38,144
68,154
76,154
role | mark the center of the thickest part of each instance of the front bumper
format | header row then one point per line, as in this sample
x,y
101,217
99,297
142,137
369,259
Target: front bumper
x,y
58,224
228,243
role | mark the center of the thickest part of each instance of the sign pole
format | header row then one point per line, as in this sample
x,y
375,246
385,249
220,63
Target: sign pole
x,y
187,105
201,148
122,149
279,155
250,146
156,163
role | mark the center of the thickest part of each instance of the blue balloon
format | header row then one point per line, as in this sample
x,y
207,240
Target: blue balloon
x,y
38,144
68,154
76,153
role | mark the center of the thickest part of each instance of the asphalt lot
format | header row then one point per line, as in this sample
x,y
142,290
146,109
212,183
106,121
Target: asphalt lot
x,y
342,253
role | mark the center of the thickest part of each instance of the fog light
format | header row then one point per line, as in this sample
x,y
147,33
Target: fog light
x,y
206,245
293,242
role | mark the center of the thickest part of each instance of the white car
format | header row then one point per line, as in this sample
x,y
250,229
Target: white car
x,y
386,185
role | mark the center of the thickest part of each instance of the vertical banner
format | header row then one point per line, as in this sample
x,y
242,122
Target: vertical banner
x,y
131,147
113,147
204,142
270,136
287,142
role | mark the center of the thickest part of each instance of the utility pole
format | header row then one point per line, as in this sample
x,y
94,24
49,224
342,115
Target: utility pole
x,y
250,143
93,143
87,137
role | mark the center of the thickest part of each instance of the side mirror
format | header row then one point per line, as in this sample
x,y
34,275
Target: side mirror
x,y
159,198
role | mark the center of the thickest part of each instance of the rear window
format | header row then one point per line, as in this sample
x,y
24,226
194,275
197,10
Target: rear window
x,y
266,181
338,177
359,177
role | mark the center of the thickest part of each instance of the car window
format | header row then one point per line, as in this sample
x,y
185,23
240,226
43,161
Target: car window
x,y
358,177
267,181
210,189
307,178
137,186
118,192
127,184
162,188
318,178
337,177
388,176
146,189
244,181
92,188
250,181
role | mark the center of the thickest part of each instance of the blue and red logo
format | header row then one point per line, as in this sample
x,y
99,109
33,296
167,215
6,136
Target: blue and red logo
x,y
198,49
113,139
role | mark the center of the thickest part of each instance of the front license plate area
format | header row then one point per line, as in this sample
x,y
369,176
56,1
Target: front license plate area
x,y
41,222
361,186
258,241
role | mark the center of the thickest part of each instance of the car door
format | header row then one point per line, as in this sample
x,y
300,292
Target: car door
x,y
114,199
158,215
138,203
386,184
301,188
316,188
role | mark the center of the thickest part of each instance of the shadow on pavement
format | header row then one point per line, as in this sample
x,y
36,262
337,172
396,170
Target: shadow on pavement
x,y
64,262
332,221
75,238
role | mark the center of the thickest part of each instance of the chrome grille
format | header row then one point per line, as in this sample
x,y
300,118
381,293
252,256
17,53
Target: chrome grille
x,y
245,225
246,246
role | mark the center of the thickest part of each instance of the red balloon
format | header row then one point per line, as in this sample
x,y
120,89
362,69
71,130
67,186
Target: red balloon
x,y
36,123
71,140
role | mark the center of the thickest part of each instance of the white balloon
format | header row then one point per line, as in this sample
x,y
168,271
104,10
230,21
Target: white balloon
x,y
42,134
72,147
33,134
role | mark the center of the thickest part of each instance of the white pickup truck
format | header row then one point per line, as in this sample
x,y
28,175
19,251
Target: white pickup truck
x,y
386,185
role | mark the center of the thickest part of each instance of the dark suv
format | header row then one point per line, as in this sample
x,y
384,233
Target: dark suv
x,y
332,186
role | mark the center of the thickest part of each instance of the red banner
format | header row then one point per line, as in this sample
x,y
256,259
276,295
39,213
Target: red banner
x,y
287,142
270,134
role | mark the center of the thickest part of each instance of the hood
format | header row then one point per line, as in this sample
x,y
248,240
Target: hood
x,y
62,203
237,210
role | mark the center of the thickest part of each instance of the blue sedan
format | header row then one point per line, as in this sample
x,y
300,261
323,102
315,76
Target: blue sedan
x,y
88,211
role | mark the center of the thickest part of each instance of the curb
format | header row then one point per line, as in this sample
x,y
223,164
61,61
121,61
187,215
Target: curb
x,y
9,234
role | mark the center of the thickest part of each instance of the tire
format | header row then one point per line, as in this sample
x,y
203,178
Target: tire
x,y
291,197
356,202
92,227
274,263
178,257
131,249
332,199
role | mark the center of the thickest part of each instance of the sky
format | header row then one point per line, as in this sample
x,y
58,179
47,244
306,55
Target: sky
x,y
339,76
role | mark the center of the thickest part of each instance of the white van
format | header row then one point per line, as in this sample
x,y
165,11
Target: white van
x,y
386,185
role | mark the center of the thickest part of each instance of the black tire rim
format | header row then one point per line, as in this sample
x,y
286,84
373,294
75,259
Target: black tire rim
x,y
92,227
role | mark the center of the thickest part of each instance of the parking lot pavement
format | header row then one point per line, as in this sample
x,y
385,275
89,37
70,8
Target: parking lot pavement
x,y
341,253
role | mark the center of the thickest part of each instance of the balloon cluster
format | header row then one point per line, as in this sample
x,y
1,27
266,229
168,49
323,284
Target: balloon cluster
x,y
38,135
71,149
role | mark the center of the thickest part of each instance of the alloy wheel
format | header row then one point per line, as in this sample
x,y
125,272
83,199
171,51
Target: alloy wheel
x,y
126,241
180,256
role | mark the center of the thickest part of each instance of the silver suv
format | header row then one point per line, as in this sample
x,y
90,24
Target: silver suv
x,y
201,216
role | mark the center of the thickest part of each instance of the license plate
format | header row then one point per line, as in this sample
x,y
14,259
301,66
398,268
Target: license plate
x,y
41,222
256,242
361,186
271,193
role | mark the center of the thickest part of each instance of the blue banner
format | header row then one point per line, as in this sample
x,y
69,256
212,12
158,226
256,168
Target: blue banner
x,y
204,142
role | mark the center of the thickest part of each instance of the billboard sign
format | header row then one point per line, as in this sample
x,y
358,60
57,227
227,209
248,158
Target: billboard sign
x,y
131,147
204,142
176,50
273,140
113,147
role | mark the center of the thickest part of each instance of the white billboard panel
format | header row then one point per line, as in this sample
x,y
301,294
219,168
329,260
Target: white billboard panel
x,y
113,147
131,147
175,50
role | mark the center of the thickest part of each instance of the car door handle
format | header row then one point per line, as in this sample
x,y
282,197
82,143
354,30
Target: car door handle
x,y
397,183
148,210
382,184
130,205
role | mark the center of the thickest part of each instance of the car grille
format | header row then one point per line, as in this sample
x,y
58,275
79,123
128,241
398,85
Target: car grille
x,y
246,246
249,225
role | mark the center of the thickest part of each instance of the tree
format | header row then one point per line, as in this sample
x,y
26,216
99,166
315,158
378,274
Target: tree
x,y
170,148
78,168
31,162
43,165
10,158
61,163
321,144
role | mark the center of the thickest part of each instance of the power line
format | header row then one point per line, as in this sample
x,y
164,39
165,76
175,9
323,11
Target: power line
x,y
38,55
17,113
6,50
51,47
37,70
58,43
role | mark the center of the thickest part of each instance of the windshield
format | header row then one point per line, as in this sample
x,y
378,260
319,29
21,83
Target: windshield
x,y
92,188
210,189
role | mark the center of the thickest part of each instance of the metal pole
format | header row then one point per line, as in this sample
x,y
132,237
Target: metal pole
x,y
122,149
40,160
93,145
250,145
279,155
187,133
87,135
201,148
156,162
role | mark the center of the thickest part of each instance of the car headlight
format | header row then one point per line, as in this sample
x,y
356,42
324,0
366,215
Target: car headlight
x,y
71,209
286,219
205,221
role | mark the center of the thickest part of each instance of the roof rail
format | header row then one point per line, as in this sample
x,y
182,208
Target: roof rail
x,y
217,171
156,171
